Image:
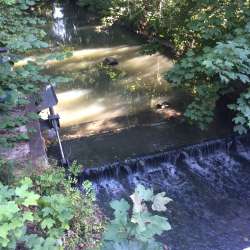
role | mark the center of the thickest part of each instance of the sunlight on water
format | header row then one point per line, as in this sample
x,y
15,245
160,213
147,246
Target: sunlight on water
x,y
78,114
89,110
72,95
82,58
98,96
142,72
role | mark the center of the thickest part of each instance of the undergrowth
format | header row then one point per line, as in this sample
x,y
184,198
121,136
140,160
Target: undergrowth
x,y
49,212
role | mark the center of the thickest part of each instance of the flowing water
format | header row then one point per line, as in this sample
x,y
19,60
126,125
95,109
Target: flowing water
x,y
209,184
109,114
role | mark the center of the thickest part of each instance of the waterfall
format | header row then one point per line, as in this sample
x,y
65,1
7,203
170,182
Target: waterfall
x,y
208,182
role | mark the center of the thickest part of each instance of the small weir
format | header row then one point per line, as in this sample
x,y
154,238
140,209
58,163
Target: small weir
x,y
208,182
105,119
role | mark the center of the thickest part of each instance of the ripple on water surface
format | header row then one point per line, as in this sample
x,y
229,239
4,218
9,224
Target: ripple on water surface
x,y
209,184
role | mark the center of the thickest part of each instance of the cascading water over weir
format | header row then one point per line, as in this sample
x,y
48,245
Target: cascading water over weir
x,y
209,184
103,120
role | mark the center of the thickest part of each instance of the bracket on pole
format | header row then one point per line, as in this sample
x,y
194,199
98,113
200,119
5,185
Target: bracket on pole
x,y
49,100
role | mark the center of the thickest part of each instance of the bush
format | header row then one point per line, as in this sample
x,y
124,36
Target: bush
x,y
18,209
94,5
87,222
48,213
214,72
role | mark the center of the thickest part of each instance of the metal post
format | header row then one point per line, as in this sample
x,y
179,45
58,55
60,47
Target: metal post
x,y
55,126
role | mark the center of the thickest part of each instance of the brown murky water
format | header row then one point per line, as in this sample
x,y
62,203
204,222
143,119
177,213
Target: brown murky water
x,y
125,96
109,113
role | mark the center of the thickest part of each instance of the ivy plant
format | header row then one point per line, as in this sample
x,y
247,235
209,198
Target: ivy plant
x,y
21,33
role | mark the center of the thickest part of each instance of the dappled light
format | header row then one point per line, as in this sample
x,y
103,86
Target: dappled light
x,y
93,128
72,95
90,110
143,64
78,114
91,56
169,113
124,124
116,92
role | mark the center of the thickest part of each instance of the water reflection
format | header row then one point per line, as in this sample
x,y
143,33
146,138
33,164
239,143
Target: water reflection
x,y
136,82
84,57
99,94
72,95
58,28
101,98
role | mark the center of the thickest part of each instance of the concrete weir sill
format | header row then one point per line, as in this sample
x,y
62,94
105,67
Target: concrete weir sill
x,y
37,147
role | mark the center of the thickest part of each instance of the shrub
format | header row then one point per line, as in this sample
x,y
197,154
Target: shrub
x,y
49,213
18,208
86,224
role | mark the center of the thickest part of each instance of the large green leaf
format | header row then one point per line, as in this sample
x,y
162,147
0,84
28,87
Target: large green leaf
x,y
160,201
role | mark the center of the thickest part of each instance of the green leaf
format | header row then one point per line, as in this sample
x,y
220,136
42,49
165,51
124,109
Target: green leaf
x,y
121,208
47,223
8,209
4,230
160,201
143,193
149,226
28,216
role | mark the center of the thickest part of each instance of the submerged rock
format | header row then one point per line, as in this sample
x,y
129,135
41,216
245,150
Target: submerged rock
x,y
111,61
162,105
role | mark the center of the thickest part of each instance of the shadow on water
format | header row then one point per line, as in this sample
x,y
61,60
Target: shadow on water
x,y
109,115
98,92
209,184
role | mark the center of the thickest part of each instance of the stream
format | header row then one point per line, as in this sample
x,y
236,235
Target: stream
x,y
208,182
110,114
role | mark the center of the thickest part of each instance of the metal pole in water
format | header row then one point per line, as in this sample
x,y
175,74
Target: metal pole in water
x,y
49,100
55,126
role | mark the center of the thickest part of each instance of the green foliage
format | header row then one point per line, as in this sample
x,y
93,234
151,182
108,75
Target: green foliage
x,y
242,109
18,210
56,213
94,5
20,32
138,230
211,39
105,74
62,201
48,213
218,62
214,72
50,182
